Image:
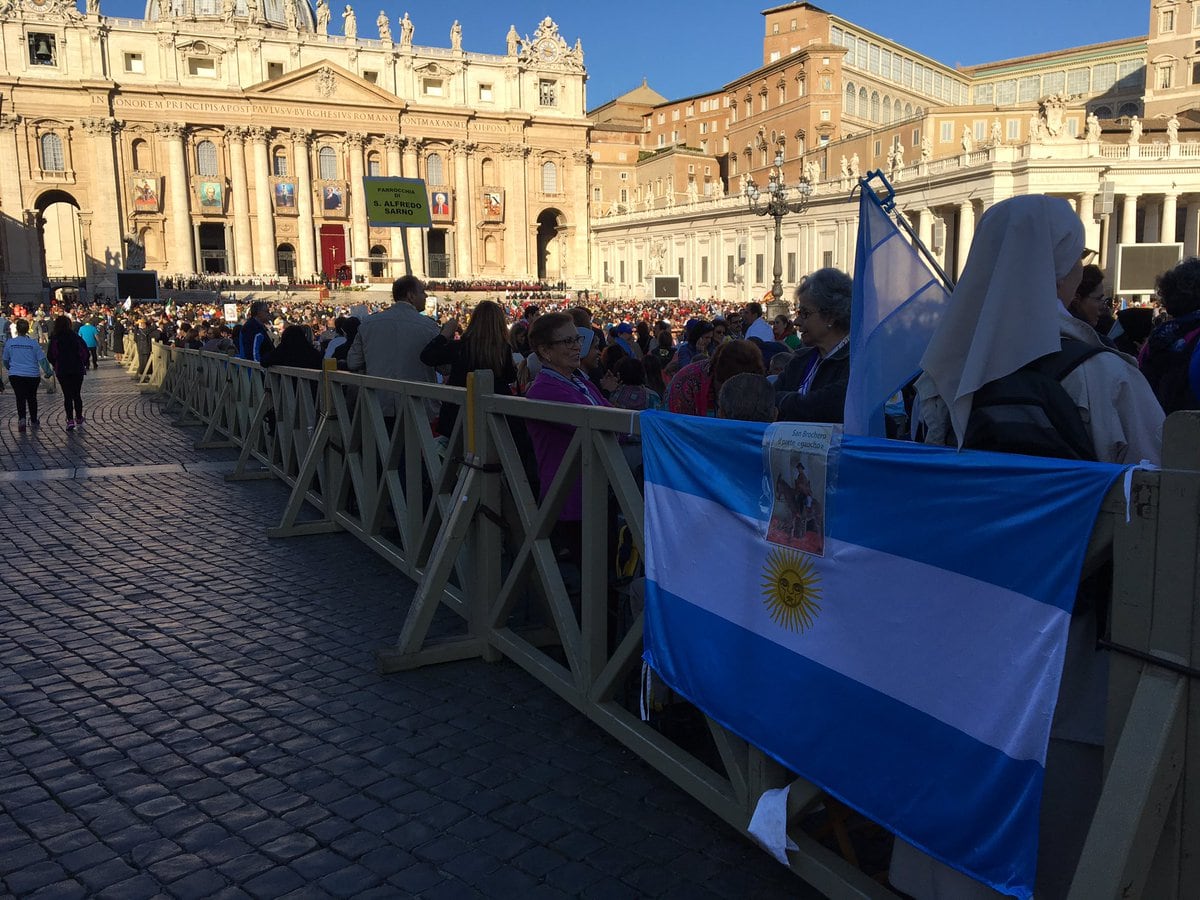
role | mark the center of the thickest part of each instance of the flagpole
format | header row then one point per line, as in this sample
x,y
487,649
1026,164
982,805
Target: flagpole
x,y
888,204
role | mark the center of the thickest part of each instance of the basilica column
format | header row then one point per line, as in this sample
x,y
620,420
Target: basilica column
x,y
1150,219
416,249
966,231
243,257
578,269
1129,218
265,232
305,226
181,259
925,228
1087,215
517,239
1170,208
464,234
392,143
107,233
21,263
360,250
1191,228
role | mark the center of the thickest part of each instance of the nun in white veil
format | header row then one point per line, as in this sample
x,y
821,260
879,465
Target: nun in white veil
x,y
1008,309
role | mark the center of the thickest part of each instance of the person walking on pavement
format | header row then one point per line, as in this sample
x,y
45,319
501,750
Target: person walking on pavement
x,y
23,358
90,336
68,354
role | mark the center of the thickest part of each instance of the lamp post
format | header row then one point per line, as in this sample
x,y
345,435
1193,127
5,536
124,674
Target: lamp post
x,y
779,200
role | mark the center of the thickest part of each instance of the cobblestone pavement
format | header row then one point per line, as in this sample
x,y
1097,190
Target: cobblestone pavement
x,y
189,709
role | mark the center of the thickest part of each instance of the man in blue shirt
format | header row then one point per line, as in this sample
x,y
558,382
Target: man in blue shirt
x,y
87,331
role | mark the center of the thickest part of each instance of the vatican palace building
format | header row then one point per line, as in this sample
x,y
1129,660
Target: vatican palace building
x,y
230,138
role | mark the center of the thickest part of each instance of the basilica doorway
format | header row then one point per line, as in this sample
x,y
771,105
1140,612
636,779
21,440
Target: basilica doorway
x,y
61,248
550,225
333,253
214,259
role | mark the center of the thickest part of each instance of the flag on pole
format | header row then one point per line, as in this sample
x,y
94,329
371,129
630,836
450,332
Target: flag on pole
x,y
886,619
896,304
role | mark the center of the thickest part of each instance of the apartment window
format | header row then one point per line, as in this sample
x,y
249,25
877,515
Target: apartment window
x,y
624,176
374,165
596,194
794,25
1164,76
433,169
200,67
1013,129
624,195
704,128
1196,18
774,56
43,49
274,70
823,140
549,178
980,127
878,147
662,118
1196,69
947,133
691,168
206,159
674,136
371,75
916,137
675,115
135,64
485,93
433,87
53,158
279,163
1167,20
825,115
775,28
327,163
1079,81
548,92
662,140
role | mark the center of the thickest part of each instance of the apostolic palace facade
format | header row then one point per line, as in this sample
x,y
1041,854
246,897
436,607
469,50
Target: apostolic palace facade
x,y
230,137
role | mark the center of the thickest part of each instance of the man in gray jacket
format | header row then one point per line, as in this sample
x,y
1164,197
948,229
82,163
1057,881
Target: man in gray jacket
x,y
390,342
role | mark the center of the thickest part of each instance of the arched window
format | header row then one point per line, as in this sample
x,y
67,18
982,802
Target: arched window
x,y
875,113
863,109
887,109
489,249
141,155
851,95
374,165
487,171
1127,109
433,169
549,178
206,159
899,112
1103,112
279,162
908,110
327,163
53,159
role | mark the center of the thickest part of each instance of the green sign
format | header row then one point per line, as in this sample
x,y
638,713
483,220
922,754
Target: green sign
x,y
396,202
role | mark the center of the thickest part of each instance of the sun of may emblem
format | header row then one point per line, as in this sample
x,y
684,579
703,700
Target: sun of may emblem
x,y
790,589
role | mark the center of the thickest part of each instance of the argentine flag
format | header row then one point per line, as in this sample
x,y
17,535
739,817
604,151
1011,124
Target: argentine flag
x,y
912,669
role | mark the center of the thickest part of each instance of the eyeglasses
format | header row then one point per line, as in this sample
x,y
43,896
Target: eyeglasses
x,y
802,313
575,341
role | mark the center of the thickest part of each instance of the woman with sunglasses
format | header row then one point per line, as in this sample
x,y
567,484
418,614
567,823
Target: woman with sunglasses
x,y
813,386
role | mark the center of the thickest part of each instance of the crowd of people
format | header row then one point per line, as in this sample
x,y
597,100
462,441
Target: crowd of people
x,y
1024,301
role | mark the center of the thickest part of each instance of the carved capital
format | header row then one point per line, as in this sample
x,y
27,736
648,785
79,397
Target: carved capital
x,y
393,142
582,157
514,151
258,134
236,134
166,39
101,126
355,140
8,120
462,148
171,130
300,136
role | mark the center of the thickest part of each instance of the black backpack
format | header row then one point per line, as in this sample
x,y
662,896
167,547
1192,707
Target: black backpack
x,y
1030,412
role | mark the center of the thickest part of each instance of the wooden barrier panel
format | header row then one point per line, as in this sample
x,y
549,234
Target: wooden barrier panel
x,y
463,520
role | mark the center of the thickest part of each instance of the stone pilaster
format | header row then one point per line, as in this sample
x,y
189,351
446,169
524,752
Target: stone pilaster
x,y
305,227
243,256
264,257
181,258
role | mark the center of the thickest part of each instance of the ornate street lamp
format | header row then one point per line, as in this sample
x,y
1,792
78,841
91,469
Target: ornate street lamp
x,y
779,200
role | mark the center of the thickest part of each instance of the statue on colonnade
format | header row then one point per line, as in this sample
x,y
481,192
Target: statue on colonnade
x,y
349,22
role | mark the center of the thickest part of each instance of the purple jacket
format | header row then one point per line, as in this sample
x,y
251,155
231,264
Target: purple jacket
x,y
550,440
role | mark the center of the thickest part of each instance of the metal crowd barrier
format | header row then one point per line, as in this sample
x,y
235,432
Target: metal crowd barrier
x,y
464,523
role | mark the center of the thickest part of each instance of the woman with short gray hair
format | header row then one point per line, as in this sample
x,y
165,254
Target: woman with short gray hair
x,y
813,386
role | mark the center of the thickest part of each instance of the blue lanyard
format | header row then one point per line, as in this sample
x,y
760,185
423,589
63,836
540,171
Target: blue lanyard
x,y
573,382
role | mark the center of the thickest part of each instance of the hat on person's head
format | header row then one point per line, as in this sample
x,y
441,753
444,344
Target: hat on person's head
x,y
586,337
623,328
1137,322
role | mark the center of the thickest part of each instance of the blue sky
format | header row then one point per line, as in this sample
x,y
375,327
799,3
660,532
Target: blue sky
x,y
687,47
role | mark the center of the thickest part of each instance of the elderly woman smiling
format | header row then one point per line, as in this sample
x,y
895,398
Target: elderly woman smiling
x,y
557,343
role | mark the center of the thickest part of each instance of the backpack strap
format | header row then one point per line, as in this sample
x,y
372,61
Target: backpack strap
x,y
1067,359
